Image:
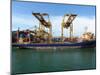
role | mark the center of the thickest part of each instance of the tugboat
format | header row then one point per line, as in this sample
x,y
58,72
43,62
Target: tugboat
x,y
43,39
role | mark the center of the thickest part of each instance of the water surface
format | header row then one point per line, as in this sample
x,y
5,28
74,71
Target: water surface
x,y
32,61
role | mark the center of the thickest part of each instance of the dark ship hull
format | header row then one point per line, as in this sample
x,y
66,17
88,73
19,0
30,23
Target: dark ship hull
x,y
84,44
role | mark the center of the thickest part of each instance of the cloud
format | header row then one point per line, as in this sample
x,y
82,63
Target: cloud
x,y
79,24
23,23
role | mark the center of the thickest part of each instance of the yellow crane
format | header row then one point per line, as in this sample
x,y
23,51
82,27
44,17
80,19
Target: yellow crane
x,y
68,24
44,24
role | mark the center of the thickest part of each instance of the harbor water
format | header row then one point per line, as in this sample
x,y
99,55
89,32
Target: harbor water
x,y
52,60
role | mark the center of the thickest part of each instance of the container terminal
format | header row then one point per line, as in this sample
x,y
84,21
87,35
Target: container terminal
x,y
40,37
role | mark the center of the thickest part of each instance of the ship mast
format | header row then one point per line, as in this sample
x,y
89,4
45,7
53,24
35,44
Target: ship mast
x,y
18,34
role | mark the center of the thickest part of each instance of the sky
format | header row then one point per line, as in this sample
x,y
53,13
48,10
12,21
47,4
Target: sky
x,y
22,16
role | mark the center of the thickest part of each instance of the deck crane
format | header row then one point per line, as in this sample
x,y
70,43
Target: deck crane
x,y
44,24
68,24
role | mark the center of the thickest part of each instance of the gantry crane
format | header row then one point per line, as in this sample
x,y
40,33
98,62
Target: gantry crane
x,y
68,24
44,24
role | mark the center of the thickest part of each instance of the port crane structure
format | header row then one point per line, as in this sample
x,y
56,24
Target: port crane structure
x,y
42,35
43,23
68,24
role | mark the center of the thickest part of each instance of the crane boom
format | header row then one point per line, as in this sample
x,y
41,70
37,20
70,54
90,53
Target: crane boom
x,y
69,21
41,19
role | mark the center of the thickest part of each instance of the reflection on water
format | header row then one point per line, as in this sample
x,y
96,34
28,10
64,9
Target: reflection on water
x,y
30,60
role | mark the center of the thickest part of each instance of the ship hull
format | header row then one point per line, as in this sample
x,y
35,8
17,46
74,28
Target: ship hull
x,y
64,45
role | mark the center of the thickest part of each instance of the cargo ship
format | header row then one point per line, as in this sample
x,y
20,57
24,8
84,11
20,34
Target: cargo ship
x,y
40,38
